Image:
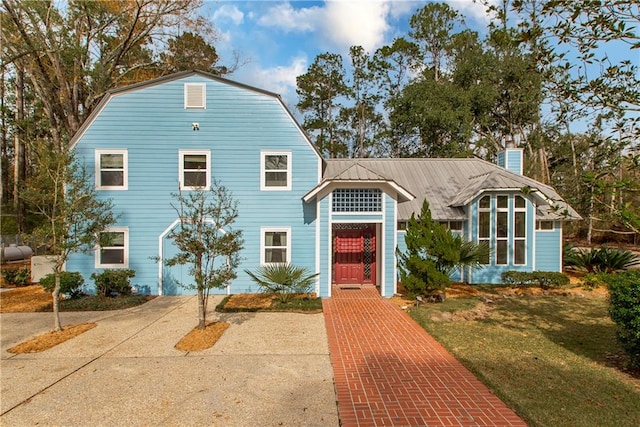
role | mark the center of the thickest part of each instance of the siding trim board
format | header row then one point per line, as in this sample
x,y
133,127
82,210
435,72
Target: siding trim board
x,y
161,238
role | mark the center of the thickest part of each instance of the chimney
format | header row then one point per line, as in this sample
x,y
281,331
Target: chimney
x,y
511,157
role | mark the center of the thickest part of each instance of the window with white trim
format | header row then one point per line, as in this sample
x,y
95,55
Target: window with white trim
x,y
545,225
484,224
275,245
195,96
113,249
111,168
502,230
195,169
519,230
275,170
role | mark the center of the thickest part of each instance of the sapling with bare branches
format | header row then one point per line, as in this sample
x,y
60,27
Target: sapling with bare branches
x,y
206,241
72,216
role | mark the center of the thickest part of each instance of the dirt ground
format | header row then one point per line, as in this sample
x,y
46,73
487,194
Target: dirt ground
x,y
26,299
51,339
202,339
462,290
250,301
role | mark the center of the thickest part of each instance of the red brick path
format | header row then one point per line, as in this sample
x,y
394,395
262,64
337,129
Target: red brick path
x,y
390,372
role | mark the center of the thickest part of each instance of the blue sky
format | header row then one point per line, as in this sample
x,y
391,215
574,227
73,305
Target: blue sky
x,y
280,39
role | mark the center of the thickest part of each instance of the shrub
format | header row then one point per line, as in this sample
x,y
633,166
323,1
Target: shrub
x,y
283,280
593,280
624,308
17,276
602,260
543,279
433,253
113,282
70,283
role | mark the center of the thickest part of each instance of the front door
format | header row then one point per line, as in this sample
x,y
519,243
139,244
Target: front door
x,y
354,256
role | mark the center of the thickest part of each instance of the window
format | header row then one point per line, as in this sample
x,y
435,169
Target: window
x,y
113,251
519,231
357,200
275,170
502,230
455,226
544,225
484,223
509,222
402,225
275,245
195,169
111,169
194,96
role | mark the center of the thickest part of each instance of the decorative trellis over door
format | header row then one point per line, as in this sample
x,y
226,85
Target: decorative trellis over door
x,y
354,254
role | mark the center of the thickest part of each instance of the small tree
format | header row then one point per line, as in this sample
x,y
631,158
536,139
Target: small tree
x,y
62,194
433,252
206,241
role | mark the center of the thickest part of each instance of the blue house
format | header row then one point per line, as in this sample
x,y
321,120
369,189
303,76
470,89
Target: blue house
x,y
341,218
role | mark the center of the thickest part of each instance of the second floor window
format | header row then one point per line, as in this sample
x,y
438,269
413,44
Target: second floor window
x,y
276,170
111,169
195,169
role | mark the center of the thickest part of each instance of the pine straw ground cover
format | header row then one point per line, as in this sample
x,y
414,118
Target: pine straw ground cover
x,y
51,339
299,303
551,356
202,339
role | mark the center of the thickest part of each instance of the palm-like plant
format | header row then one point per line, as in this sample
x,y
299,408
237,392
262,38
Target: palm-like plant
x,y
602,260
283,280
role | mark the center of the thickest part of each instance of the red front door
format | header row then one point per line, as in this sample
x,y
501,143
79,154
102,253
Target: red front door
x,y
354,256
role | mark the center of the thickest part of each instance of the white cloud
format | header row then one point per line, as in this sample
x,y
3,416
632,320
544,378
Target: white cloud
x,y
361,23
338,25
280,79
288,19
228,12
472,9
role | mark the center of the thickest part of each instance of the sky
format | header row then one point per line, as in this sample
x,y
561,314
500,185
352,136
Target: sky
x,y
278,40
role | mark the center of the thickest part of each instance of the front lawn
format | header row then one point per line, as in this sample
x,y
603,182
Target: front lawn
x,y
553,359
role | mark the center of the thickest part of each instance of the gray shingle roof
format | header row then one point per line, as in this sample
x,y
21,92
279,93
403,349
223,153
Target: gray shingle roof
x,y
448,184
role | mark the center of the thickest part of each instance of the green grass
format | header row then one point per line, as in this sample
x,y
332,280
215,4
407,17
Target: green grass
x,y
100,303
554,360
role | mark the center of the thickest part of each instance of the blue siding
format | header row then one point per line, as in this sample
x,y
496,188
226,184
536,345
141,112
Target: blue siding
x,y
549,249
511,159
238,123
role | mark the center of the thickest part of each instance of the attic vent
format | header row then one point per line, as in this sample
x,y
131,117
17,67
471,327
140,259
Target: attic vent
x,y
194,95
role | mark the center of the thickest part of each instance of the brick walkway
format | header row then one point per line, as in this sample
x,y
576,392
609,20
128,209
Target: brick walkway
x,y
390,372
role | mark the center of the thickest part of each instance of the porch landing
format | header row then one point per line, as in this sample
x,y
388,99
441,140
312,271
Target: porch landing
x,y
390,372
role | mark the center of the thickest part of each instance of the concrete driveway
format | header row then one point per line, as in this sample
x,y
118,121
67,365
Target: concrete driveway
x,y
268,369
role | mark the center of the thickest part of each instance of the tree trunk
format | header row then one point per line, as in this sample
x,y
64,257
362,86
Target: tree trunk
x,y
202,311
4,149
19,170
56,294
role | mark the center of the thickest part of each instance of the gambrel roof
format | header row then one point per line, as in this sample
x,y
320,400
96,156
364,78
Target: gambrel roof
x,y
448,184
